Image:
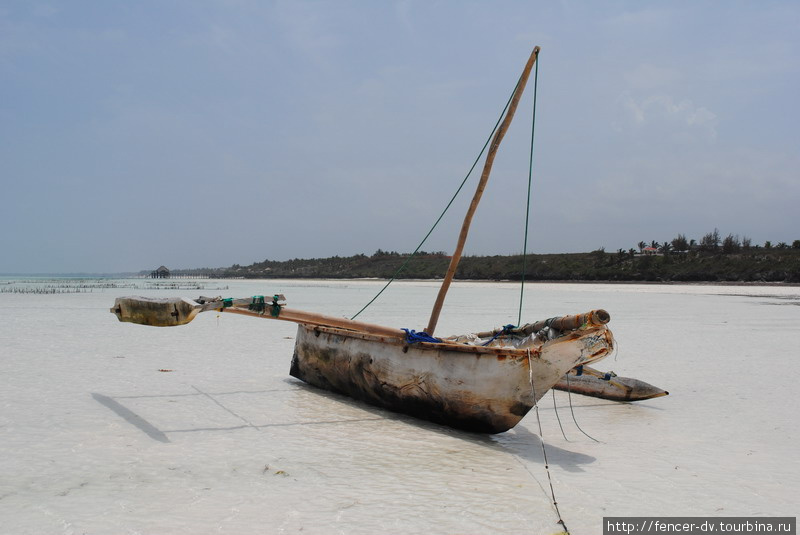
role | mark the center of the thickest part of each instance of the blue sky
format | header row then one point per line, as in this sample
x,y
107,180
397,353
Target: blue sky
x,y
203,134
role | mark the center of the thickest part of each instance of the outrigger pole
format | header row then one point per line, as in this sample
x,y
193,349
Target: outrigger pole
x,y
169,312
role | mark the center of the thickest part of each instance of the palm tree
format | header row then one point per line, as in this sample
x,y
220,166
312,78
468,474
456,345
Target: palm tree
x,y
680,243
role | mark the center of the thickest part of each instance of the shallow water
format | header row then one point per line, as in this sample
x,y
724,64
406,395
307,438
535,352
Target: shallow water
x,y
95,437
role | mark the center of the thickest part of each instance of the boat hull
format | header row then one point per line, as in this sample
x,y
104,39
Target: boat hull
x,y
480,389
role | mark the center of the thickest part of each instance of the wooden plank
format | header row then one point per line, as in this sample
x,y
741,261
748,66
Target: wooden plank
x,y
312,318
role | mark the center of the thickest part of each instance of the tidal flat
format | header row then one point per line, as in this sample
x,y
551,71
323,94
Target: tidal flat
x,y
109,427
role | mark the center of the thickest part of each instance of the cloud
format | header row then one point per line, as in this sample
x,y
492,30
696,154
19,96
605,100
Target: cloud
x,y
747,192
661,114
360,119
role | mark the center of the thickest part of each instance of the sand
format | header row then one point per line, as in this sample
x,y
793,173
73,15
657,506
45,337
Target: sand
x,y
116,428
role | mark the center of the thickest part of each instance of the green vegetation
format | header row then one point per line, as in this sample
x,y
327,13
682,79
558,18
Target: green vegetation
x,y
712,259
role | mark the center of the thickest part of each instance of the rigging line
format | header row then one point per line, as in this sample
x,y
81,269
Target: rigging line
x,y
544,451
569,394
528,206
555,409
223,407
453,198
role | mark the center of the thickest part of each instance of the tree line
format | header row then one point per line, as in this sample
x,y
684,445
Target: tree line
x,y
711,259
711,242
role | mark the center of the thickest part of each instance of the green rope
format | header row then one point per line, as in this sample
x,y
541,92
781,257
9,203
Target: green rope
x,y
275,308
528,207
258,304
453,198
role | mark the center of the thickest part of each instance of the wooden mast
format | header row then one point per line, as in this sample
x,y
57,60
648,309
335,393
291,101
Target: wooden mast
x,y
487,168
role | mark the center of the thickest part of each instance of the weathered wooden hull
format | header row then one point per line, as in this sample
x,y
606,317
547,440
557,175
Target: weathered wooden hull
x,y
481,389
614,389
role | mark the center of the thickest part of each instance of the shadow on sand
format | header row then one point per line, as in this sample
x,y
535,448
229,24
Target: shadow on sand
x,y
131,417
519,441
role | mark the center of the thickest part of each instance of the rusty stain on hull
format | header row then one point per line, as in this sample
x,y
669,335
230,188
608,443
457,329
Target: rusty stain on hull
x,y
480,389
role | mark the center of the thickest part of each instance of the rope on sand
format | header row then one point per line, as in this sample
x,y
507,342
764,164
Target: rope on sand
x,y
569,395
544,451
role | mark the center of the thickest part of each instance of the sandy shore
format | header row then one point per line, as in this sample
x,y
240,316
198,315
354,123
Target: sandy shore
x,y
116,428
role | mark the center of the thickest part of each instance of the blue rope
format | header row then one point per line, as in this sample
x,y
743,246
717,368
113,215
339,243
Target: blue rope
x,y
506,330
412,337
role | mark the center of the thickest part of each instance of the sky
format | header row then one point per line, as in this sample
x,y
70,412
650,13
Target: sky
x,y
209,133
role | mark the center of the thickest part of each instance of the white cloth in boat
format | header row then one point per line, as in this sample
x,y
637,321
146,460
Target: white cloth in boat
x,y
515,342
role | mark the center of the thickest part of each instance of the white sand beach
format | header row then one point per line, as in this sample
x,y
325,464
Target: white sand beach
x,y
107,427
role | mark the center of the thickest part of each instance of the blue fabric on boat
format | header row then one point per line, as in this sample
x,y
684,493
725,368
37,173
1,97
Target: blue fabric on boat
x,y
412,337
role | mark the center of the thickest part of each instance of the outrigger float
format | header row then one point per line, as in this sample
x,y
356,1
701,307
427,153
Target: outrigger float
x,y
607,385
485,382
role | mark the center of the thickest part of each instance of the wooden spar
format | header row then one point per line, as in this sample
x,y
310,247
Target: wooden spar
x,y
171,312
564,323
569,323
487,168
311,318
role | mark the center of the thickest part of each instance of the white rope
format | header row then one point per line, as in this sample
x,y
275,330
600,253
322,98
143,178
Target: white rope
x,y
541,440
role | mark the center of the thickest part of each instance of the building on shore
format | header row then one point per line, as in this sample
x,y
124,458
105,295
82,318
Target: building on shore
x,y
160,273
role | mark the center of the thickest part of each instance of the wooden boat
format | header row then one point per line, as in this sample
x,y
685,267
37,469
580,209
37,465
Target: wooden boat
x,y
484,383
474,387
607,385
